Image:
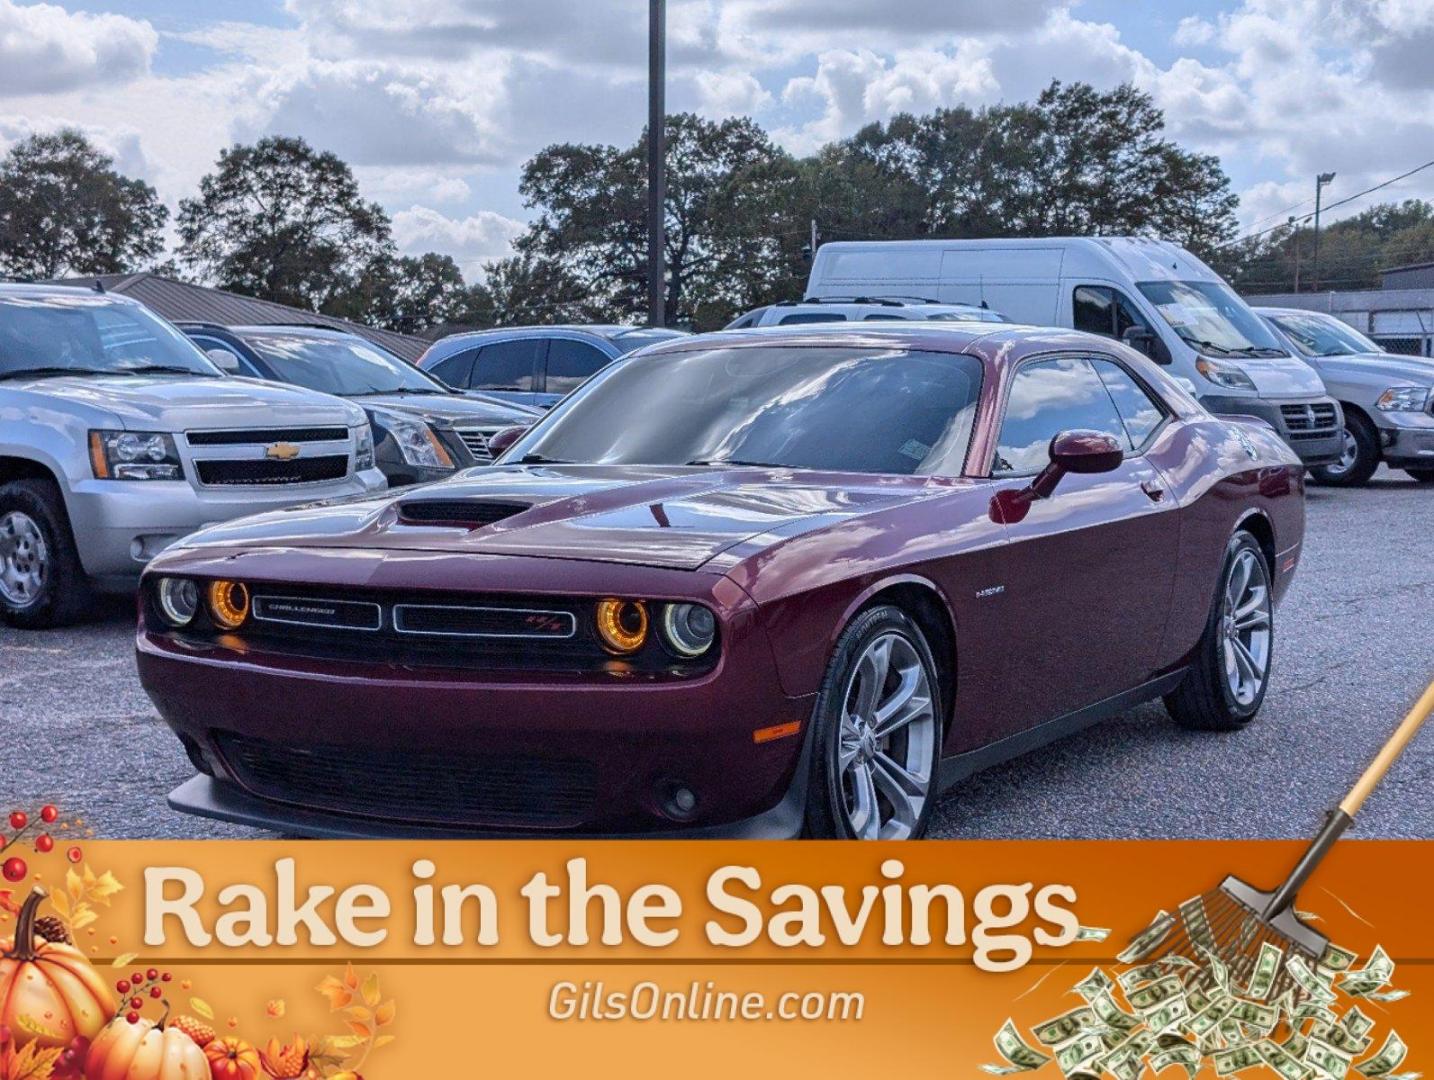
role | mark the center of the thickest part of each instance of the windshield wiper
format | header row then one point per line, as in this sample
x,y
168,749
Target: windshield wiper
x,y
47,372
1208,346
738,462
165,369
398,391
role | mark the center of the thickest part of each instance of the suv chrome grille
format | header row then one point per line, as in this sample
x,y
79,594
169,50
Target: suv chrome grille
x,y
267,435
270,457
1309,421
262,472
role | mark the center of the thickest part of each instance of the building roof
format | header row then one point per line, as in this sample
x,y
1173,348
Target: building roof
x,y
179,301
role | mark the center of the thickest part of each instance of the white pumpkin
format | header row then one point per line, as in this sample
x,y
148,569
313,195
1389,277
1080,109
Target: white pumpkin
x,y
144,1051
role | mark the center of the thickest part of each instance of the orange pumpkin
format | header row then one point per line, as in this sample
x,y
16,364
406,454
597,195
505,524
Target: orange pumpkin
x,y
144,1051
49,994
231,1058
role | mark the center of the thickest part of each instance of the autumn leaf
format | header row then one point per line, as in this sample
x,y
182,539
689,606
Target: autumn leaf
x,y
383,1040
61,903
351,979
276,1008
103,888
202,1007
74,885
371,993
338,994
359,1013
341,1042
32,1062
123,960
363,1031
384,1014
84,915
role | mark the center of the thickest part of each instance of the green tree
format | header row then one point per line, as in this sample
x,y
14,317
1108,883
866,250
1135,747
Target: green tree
x,y
727,187
284,222
64,210
413,293
528,289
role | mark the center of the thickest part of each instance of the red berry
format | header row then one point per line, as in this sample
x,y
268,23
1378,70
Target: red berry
x,y
14,869
136,1003
74,854
48,813
19,819
132,1017
122,986
137,978
152,974
165,977
44,843
155,991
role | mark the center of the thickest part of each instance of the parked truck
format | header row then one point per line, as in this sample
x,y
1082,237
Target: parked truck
x,y
1153,295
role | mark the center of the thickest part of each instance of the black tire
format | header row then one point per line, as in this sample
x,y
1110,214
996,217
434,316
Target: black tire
x,y
826,813
1204,701
1424,476
64,594
1366,456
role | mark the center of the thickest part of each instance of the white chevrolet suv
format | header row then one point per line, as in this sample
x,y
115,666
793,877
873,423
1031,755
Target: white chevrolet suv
x,y
119,437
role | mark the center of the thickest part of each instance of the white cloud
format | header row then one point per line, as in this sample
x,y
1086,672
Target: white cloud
x,y
731,93
44,48
471,241
1194,30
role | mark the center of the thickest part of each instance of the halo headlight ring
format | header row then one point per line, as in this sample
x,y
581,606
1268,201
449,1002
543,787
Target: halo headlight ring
x,y
228,604
178,600
622,625
688,630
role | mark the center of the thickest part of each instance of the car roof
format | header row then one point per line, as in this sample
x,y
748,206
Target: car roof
x,y
1294,311
605,331
59,292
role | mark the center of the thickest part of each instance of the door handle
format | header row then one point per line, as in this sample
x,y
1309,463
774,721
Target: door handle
x,y
1154,490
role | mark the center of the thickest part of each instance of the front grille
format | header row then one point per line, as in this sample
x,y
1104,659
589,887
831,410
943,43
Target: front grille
x,y
267,435
472,513
431,787
1314,421
266,472
451,620
476,439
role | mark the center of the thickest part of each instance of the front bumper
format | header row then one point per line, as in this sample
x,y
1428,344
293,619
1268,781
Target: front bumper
x,y
365,749
1407,439
119,526
1315,442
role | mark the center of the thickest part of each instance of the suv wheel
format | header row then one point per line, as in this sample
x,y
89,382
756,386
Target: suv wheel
x,y
41,581
878,733
1227,681
1359,458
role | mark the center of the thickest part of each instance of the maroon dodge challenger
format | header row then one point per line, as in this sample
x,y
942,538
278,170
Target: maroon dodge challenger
x,y
760,583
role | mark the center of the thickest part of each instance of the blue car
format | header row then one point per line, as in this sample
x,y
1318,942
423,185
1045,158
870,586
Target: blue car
x,y
533,365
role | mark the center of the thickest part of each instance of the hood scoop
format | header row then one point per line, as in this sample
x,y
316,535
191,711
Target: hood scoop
x,y
459,513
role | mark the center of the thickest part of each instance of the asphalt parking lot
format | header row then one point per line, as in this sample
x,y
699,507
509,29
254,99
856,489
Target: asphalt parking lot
x,y
1354,647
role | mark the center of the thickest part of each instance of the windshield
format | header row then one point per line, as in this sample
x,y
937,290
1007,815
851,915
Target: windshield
x,y
346,366
868,410
1209,317
1323,335
90,334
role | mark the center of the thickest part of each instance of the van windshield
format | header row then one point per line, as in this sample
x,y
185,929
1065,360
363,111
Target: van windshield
x,y
89,334
1211,319
1324,335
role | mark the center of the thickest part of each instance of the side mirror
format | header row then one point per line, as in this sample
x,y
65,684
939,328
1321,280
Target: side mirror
x,y
1145,341
502,440
223,359
1079,452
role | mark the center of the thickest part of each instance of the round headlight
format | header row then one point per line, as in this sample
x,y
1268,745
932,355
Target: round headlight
x,y
688,629
622,625
228,604
178,601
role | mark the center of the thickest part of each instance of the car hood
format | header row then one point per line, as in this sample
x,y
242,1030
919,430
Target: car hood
x,y
173,403
1280,376
1377,370
449,409
671,517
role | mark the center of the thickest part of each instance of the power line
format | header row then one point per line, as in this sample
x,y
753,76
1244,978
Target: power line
x,y
1347,199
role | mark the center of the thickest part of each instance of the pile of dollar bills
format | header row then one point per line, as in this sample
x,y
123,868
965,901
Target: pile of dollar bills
x,y
1192,1012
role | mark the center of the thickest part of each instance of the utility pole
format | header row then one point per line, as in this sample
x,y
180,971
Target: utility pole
x,y
1294,223
1320,182
656,155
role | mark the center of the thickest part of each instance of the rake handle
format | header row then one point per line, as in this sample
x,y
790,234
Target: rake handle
x,y
1342,817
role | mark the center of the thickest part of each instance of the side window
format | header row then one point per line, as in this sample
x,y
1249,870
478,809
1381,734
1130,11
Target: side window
x,y
885,318
455,370
245,367
812,317
749,319
1138,410
506,365
1046,398
1097,309
571,362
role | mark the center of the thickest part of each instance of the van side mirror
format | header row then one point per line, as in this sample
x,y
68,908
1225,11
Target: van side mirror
x,y
1080,452
224,360
1145,341
505,438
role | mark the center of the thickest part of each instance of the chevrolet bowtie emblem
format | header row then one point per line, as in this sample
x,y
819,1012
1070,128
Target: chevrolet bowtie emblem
x,y
282,451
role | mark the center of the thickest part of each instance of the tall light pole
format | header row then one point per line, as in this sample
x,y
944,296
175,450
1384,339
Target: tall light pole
x,y
656,152
1294,224
1321,181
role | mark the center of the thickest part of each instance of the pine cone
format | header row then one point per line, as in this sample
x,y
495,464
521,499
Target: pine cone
x,y
52,929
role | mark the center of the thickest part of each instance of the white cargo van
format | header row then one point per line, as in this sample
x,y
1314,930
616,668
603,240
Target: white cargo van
x,y
1153,295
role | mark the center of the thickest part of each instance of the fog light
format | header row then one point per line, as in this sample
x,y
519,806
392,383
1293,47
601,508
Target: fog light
x,y
228,604
678,801
178,601
622,625
688,629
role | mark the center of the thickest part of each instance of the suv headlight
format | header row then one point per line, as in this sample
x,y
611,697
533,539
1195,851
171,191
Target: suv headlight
x,y
1223,374
416,442
1404,399
363,449
134,455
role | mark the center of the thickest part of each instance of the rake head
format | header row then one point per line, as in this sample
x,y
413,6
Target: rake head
x,y
1232,924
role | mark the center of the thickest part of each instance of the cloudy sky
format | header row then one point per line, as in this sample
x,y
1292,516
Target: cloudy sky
x,y
436,103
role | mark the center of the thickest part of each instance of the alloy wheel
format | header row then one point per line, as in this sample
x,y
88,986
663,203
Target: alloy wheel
x,y
886,744
24,559
1348,454
1245,624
